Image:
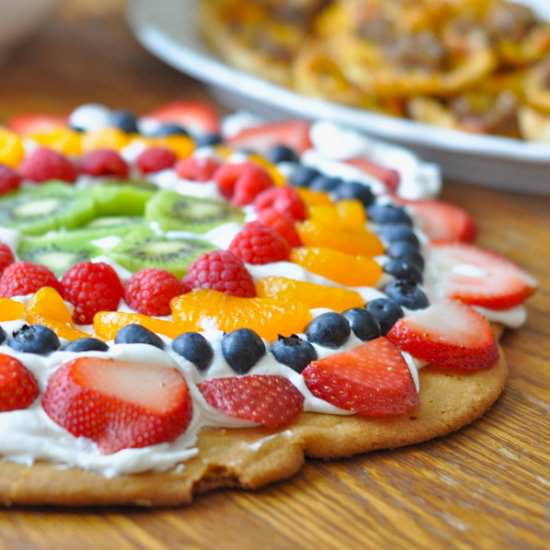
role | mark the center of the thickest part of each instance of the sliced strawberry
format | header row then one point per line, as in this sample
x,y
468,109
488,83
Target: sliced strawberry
x,y
443,222
372,379
447,334
119,404
292,133
264,399
36,123
18,387
196,116
478,277
388,176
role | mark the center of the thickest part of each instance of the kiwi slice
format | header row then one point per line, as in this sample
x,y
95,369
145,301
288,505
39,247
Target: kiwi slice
x,y
119,199
110,226
38,209
57,251
175,212
144,248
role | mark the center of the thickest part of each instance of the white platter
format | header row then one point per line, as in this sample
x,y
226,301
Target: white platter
x,y
168,29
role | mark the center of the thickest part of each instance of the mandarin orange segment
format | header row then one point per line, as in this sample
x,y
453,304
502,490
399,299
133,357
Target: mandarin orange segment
x,y
10,310
182,146
64,140
348,214
346,269
203,309
276,175
309,294
312,198
12,149
108,323
106,138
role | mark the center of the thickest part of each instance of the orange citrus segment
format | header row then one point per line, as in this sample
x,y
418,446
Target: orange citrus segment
x,y
64,140
348,214
10,310
182,146
346,269
309,294
311,198
276,175
108,323
202,309
12,150
106,138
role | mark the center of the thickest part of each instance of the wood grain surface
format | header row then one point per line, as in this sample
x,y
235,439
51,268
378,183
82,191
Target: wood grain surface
x,y
485,487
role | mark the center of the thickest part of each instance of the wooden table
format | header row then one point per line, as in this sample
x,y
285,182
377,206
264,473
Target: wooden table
x,y
485,487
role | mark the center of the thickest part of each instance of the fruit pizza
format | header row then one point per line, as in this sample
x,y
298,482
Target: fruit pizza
x,y
188,303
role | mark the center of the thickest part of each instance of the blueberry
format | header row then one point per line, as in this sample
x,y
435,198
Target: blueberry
x,y
388,213
325,183
195,348
396,233
402,250
208,140
136,334
242,349
169,130
363,324
125,121
34,339
406,294
330,330
282,153
386,312
401,269
302,176
354,190
77,129
2,335
86,344
293,352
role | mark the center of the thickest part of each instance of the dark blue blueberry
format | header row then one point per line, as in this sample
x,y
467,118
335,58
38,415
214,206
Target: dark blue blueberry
x,y
242,349
2,335
388,213
34,339
302,176
386,312
402,250
293,352
330,330
363,324
401,269
125,121
195,348
86,344
169,130
136,334
354,190
208,140
282,153
396,233
406,294
325,183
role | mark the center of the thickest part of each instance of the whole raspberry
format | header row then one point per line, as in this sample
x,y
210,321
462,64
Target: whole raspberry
x,y
46,164
242,181
6,257
284,199
91,287
10,180
259,244
104,162
223,271
282,224
150,291
197,169
156,159
21,278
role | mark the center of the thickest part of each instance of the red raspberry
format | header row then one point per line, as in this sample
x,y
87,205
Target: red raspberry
x,y
281,223
46,164
156,159
18,387
197,169
104,162
223,271
91,287
6,257
284,199
150,291
23,278
259,244
10,180
242,182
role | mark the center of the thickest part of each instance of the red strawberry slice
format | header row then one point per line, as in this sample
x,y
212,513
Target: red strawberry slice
x,y
36,123
447,334
292,133
119,404
372,379
478,277
18,387
196,116
267,400
388,176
